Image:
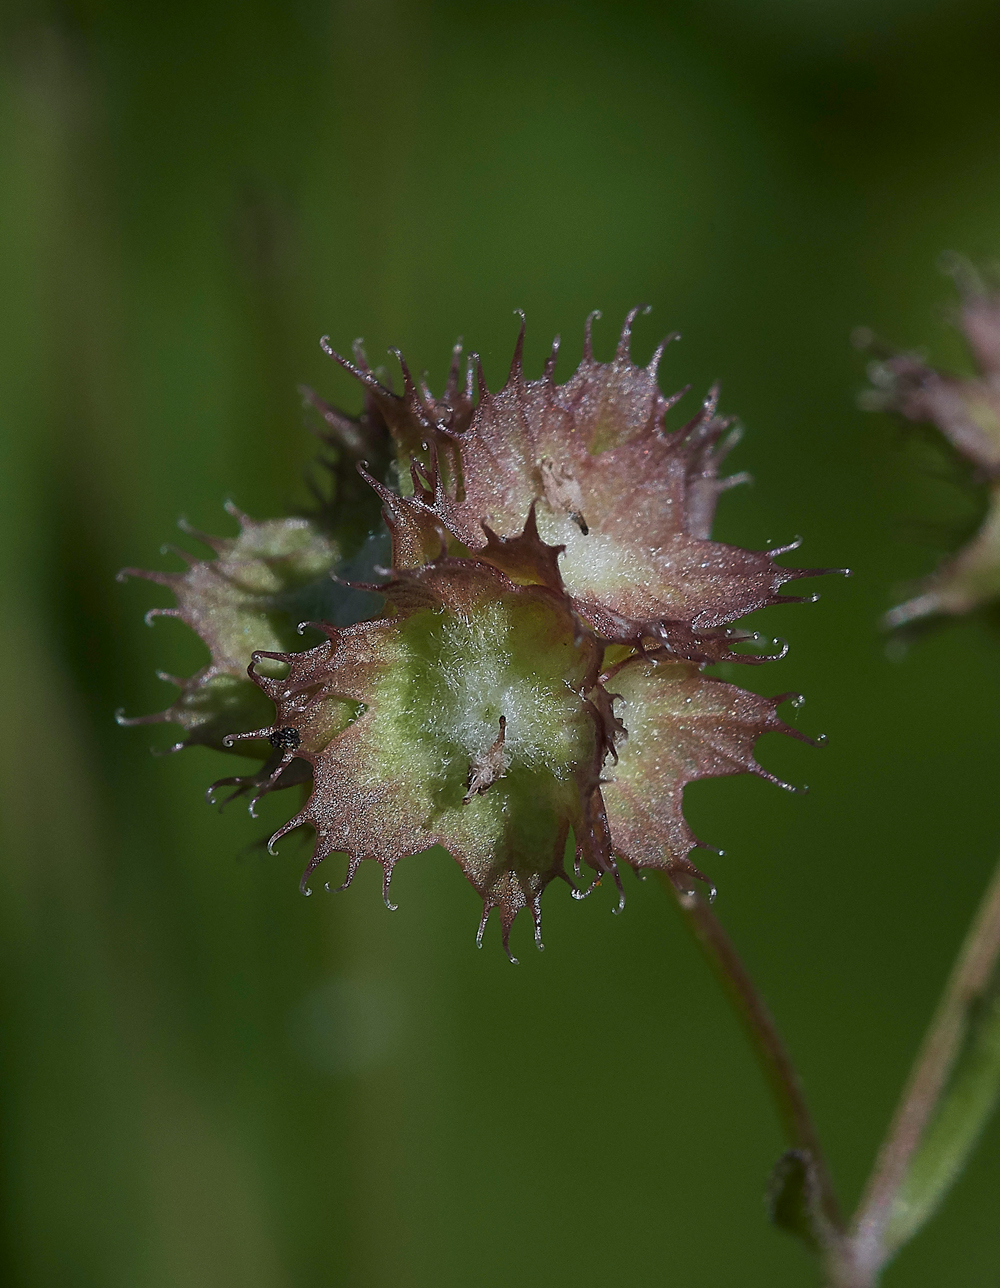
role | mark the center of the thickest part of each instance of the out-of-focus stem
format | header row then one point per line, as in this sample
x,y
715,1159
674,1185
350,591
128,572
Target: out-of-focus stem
x,y
770,1050
872,1233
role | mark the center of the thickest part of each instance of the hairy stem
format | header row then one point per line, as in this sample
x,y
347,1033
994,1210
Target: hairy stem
x,y
965,992
772,1055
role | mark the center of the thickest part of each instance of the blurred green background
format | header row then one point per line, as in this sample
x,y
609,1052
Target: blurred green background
x,y
209,1080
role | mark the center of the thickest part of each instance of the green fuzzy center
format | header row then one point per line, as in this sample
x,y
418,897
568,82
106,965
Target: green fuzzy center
x,y
501,661
438,713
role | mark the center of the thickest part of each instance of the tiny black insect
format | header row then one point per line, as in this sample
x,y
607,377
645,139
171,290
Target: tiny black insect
x,y
286,739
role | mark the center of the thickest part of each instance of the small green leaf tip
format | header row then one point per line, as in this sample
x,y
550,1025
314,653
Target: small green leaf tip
x,y
532,693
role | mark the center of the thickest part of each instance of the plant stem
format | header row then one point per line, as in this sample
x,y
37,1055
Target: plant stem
x,y
771,1053
966,988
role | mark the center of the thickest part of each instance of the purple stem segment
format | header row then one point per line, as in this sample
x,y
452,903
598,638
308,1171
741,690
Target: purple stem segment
x,y
772,1055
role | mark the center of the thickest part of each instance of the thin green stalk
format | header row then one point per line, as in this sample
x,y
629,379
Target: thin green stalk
x,y
946,1102
772,1055
952,1134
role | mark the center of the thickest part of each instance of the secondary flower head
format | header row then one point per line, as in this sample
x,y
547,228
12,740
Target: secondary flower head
x,y
533,690
966,409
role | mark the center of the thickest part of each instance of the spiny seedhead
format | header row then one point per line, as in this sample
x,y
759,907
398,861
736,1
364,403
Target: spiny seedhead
x,y
629,503
473,717
258,586
252,595
462,720
533,690
966,409
237,601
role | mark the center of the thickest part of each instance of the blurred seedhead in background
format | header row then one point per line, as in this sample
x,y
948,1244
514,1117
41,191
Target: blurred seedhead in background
x,y
966,410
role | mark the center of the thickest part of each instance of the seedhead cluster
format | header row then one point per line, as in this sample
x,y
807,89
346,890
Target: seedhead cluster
x,y
524,681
